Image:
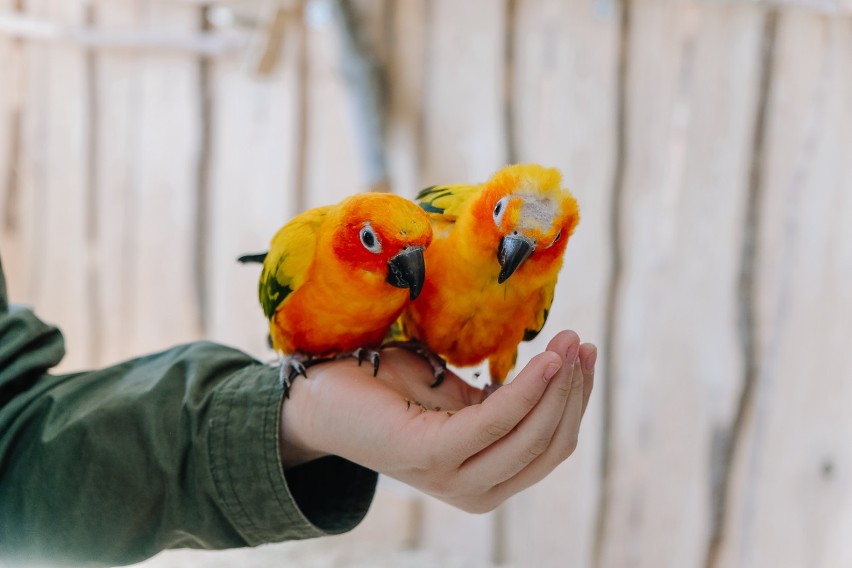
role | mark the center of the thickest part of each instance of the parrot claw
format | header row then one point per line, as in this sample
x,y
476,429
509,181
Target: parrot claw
x,y
439,378
438,364
301,370
285,379
362,353
291,367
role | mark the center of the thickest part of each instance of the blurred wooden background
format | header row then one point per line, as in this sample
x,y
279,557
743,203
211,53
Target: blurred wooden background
x,y
144,144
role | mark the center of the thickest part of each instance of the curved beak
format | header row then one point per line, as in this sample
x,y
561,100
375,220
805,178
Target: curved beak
x,y
512,252
408,270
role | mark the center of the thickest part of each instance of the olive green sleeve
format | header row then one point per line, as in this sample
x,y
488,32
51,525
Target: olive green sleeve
x,y
176,449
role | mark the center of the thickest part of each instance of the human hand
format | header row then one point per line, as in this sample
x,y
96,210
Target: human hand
x,y
474,452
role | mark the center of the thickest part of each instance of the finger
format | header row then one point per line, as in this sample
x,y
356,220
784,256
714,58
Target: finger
x,y
477,427
562,445
588,357
534,434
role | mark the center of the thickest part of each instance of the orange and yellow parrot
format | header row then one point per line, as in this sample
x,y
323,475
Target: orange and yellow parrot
x,y
493,264
336,277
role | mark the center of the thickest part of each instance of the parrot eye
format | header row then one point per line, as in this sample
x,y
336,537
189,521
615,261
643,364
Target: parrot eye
x,y
499,210
370,240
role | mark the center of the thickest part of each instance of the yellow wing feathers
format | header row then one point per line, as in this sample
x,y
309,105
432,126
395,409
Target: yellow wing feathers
x,y
290,256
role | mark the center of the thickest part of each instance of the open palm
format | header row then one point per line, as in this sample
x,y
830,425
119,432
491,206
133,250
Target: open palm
x,y
459,446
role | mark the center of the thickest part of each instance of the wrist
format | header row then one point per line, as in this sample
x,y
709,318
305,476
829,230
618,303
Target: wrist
x,y
294,446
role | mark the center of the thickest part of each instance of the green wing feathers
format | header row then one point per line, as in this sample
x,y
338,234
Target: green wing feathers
x,y
290,256
446,201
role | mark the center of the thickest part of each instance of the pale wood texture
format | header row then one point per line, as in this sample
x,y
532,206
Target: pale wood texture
x,y
254,167
55,186
11,66
333,166
464,92
130,179
406,83
8,103
148,144
692,85
792,502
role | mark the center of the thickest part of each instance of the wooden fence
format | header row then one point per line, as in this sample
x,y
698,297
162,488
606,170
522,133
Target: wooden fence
x,y
144,144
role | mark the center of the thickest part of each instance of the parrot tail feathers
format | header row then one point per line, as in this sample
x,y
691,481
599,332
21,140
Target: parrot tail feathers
x,y
250,258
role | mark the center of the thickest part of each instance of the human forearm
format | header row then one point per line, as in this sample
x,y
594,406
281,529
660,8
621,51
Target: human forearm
x,y
178,449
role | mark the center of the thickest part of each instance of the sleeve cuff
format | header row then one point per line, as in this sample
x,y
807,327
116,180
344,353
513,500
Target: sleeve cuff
x,y
326,496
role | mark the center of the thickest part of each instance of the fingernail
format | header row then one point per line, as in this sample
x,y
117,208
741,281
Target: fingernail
x,y
572,352
551,370
590,360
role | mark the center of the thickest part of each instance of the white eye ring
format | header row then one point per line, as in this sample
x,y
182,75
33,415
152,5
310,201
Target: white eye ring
x,y
370,240
500,210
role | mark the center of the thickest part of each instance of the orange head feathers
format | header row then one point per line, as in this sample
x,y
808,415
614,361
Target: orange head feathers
x,y
383,234
523,214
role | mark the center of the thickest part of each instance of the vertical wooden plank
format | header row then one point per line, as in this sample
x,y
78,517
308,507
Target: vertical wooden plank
x,y
792,500
692,80
564,93
334,167
118,86
169,129
148,147
463,142
10,96
54,175
253,185
463,129
364,64
8,64
405,87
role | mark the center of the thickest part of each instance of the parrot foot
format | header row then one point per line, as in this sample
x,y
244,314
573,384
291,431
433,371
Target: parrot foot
x,y
438,364
291,367
362,354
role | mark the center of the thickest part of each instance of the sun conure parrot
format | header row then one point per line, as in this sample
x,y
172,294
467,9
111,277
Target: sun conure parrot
x,y
336,277
493,264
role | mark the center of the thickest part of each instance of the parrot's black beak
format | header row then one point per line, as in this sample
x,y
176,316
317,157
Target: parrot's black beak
x,y
512,252
408,270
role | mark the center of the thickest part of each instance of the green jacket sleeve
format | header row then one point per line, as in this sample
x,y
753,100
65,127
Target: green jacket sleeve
x,y
176,449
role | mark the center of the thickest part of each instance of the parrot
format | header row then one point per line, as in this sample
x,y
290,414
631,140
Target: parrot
x,y
493,264
336,278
